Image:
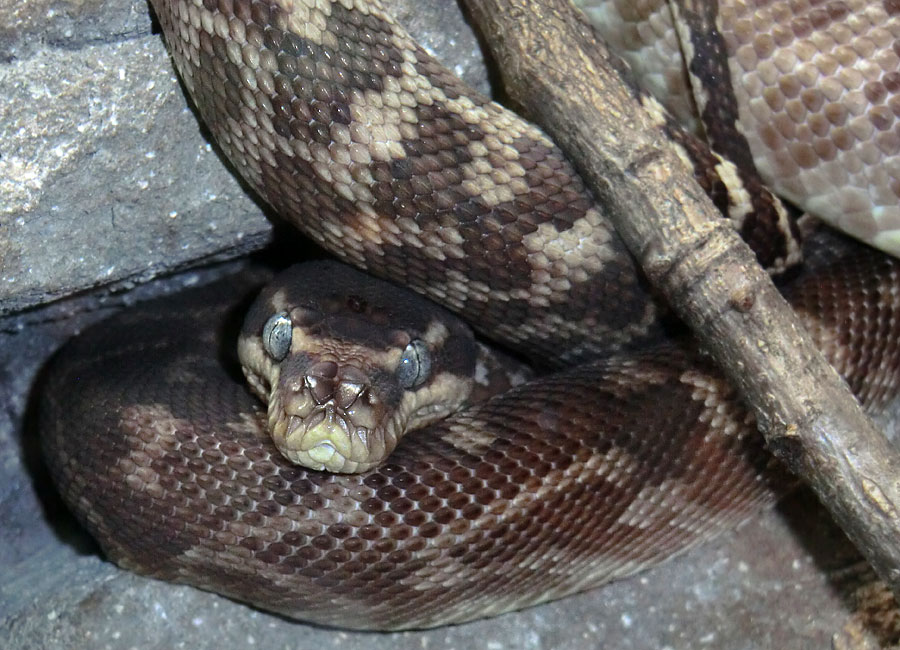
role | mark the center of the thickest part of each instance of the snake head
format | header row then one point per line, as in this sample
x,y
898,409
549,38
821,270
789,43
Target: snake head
x,y
348,365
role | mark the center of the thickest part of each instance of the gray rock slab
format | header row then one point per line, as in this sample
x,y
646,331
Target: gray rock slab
x,y
113,181
30,27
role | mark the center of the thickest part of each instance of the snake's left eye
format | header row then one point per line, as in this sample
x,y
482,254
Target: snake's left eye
x,y
276,336
415,365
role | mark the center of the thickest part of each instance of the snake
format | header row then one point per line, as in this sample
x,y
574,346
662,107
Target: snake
x,y
627,448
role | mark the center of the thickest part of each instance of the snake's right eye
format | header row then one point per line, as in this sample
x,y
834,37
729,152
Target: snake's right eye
x,y
276,336
415,365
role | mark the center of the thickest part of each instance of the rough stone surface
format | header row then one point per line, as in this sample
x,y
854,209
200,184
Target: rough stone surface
x,y
106,180
30,27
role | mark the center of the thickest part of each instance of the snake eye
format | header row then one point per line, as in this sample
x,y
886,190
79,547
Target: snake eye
x,y
276,336
415,365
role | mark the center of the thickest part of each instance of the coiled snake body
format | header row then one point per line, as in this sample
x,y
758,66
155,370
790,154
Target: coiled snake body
x,y
357,136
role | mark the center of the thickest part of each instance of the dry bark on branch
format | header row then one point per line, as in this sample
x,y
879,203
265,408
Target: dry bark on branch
x,y
554,67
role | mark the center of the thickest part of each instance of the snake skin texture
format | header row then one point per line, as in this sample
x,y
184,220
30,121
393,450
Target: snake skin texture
x,y
363,141
357,137
553,487
812,89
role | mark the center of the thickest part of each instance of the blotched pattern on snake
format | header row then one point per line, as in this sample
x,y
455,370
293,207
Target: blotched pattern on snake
x,y
359,138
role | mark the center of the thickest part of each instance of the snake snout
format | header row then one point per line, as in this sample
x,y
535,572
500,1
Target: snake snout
x,y
331,419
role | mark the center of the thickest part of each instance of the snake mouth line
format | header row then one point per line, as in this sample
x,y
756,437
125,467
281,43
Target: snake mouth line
x,y
324,434
341,433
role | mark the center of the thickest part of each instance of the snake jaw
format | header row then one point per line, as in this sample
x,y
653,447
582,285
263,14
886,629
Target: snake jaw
x,y
330,419
321,437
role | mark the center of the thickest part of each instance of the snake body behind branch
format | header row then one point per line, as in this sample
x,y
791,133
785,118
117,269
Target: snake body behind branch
x,y
358,137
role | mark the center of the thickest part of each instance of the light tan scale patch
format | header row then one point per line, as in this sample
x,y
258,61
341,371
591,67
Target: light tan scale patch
x,y
665,504
246,424
440,572
151,430
638,373
721,411
490,368
598,338
307,18
491,184
616,467
558,258
740,203
136,466
585,245
436,334
470,435
819,109
221,549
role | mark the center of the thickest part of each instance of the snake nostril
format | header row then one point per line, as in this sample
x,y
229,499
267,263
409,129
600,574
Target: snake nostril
x,y
323,370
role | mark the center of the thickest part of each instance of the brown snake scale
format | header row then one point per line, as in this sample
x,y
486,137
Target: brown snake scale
x,y
359,138
813,89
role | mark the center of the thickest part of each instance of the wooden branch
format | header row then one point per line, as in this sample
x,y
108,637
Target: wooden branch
x,y
554,67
